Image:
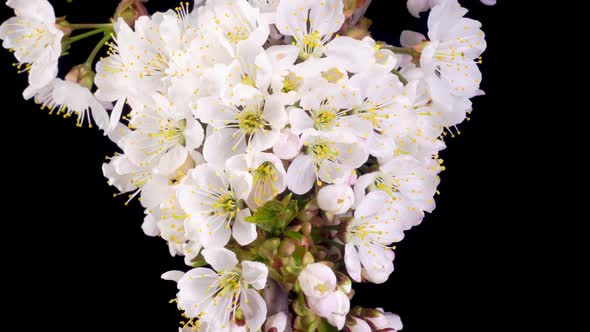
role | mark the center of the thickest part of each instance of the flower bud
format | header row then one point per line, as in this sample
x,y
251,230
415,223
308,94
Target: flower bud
x,y
344,283
130,11
276,323
311,210
82,75
287,247
317,280
354,324
336,198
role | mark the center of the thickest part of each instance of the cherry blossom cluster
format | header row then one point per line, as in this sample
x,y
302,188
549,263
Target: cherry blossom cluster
x,y
274,144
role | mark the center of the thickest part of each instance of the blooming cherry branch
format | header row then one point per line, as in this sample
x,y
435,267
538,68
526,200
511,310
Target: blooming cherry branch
x,y
272,140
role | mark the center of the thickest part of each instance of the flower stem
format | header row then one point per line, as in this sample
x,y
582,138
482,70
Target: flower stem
x,y
84,35
400,76
401,50
97,49
91,26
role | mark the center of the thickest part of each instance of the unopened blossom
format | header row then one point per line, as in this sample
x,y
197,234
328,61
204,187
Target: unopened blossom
x,y
336,198
215,203
35,40
317,280
329,157
227,292
276,323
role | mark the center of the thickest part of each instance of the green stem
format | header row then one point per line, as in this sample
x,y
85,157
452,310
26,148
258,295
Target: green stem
x,y
400,76
401,50
84,35
90,26
97,49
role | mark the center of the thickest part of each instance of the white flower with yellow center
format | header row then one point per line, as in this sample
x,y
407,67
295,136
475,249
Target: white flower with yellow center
x,y
452,56
154,186
252,123
268,174
35,40
329,157
145,60
233,21
379,220
386,105
311,23
215,203
222,296
403,176
68,98
163,135
331,107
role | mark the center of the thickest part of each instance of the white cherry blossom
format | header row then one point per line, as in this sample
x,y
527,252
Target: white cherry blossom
x,y
268,175
378,221
215,205
35,40
216,296
328,157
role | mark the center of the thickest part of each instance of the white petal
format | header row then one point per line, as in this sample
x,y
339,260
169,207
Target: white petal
x,y
317,280
288,145
410,38
254,309
220,259
149,226
353,262
172,160
299,120
173,275
255,273
301,174
244,232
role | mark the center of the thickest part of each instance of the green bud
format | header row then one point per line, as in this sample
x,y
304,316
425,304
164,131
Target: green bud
x,y
287,247
371,313
308,259
81,74
271,244
356,311
344,282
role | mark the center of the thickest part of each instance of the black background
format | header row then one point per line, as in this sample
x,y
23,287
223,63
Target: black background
x,y
75,258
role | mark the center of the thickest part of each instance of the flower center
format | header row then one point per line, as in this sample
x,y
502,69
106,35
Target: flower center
x,y
324,119
388,185
170,131
226,204
323,151
265,177
250,121
291,82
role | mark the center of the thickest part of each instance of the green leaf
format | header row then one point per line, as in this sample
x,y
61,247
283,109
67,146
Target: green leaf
x,y
295,235
326,327
274,216
199,263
